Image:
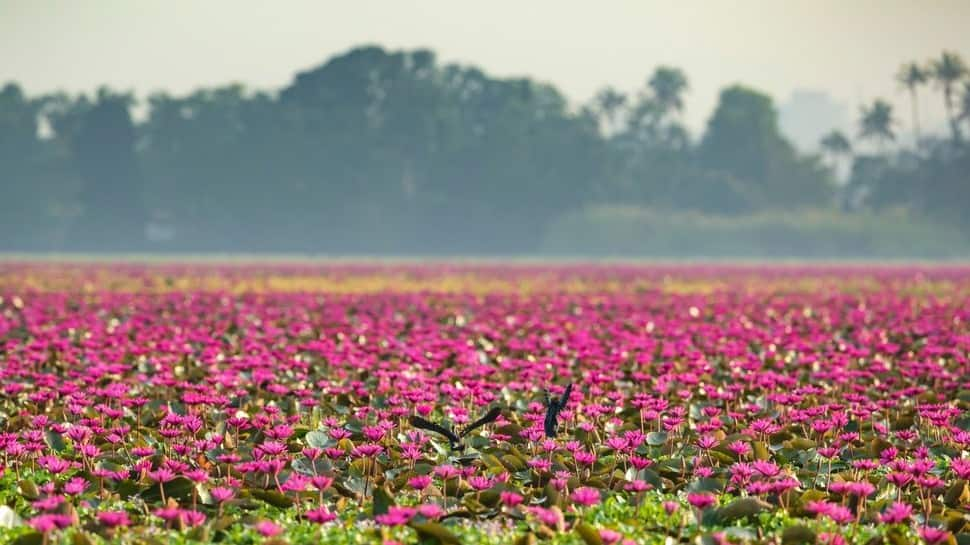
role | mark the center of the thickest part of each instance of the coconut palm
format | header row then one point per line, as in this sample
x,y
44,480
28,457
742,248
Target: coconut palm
x,y
668,85
608,104
836,145
876,123
947,71
964,114
911,76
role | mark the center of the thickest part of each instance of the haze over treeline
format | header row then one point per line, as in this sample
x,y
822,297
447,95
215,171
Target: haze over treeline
x,y
393,152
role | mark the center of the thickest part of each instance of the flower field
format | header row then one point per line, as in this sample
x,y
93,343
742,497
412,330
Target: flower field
x,y
484,404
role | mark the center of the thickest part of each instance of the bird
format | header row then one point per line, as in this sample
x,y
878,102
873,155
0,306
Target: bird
x,y
553,406
455,439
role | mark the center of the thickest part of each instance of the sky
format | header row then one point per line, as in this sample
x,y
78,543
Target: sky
x,y
850,49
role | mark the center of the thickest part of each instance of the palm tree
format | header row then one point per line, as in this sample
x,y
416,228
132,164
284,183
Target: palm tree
x,y
965,103
836,145
911,75
608,103
876,123
947,71
668,85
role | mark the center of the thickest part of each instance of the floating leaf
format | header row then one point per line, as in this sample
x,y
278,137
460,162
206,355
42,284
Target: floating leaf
x,y
957,494
741,508
317,439
526,539
178,488
272,497
55,441
589,534
797,535
30,538
434,533
382,501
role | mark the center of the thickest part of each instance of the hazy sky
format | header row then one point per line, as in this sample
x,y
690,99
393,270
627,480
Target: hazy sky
x,y
849,48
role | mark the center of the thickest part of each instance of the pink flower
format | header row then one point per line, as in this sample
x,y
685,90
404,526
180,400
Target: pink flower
x,y
549,517
585,458
192,518
585,496
321,482
740,448
48,504
320,515
396,516
268,528
637,486
701,500
480,483
75,486
933,536
420,482
610,536
221,494
49,522
430,510
161,475
113,519
510,499
897,513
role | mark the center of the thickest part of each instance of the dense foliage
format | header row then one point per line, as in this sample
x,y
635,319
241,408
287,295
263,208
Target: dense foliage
x,y
274,405
394,152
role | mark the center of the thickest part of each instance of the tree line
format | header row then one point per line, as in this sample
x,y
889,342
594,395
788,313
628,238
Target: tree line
x,y
394,152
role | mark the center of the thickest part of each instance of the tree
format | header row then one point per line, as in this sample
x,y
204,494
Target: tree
x,y
876,123
911,76
965,103
668,86
608,104
836,145
947,71
112,200
743,139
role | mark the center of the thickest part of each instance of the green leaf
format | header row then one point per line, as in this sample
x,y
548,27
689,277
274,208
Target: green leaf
x,y
741,508
272,497
382,501
797,535
29,490
896,537
706,485
80,537
31,538
432,532
656,438
55,441
760,451
178,488
317,439
589,534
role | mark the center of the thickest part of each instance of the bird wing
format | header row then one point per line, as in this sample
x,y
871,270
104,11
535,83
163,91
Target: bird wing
x,y
419,422
489,417
565,396
550,424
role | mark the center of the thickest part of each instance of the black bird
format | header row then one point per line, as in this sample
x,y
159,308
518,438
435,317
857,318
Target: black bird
x,y
454,440
553,406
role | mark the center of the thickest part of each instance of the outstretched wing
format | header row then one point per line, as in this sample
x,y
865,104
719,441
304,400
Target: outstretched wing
x,y
489,417
419,422
553,406
565,396
551,424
